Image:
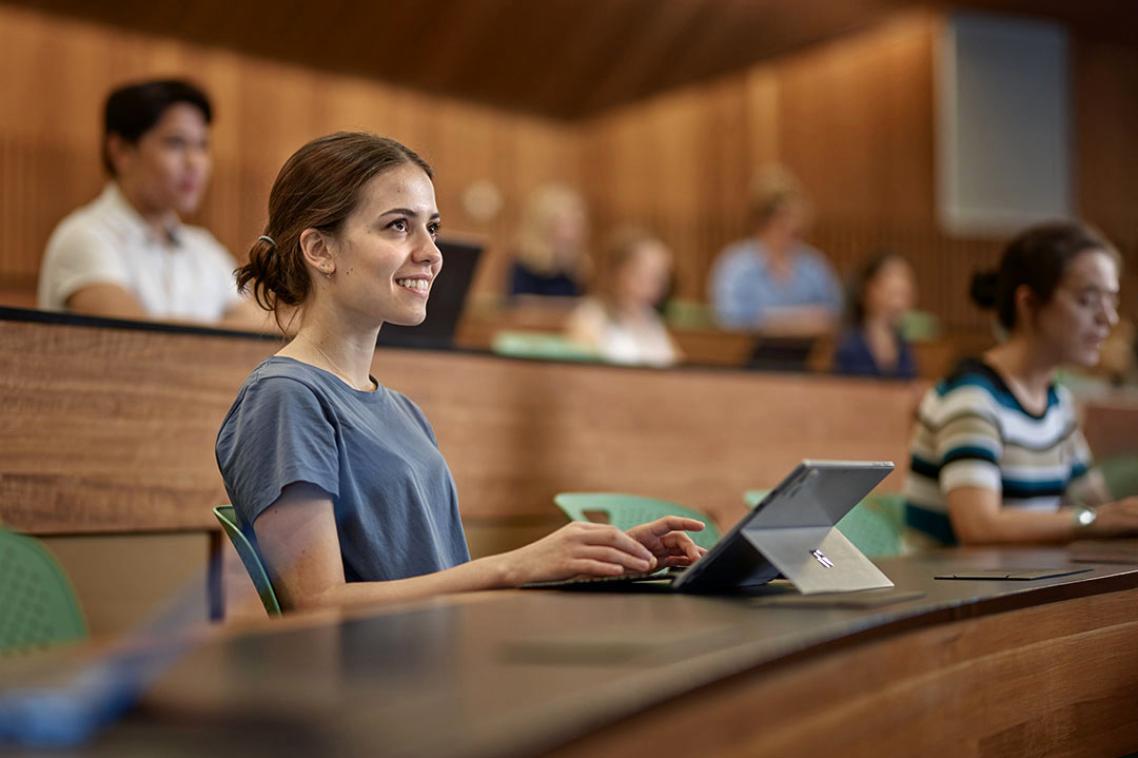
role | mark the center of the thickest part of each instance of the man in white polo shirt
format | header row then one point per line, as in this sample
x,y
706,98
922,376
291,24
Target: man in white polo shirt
x,y
127,254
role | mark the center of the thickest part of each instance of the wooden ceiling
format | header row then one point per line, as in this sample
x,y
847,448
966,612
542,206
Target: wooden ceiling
x,y
560,58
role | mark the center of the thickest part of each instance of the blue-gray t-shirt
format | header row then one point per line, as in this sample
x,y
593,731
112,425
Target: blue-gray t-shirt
x,y
374,452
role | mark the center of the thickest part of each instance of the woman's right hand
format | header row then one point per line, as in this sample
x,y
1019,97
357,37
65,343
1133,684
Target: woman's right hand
x,y
1116,519
581,548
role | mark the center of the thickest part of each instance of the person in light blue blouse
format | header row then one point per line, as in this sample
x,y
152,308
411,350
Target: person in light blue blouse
x,y
774,282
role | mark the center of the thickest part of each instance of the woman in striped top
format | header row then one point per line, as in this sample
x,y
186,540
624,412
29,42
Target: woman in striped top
x,y
997,455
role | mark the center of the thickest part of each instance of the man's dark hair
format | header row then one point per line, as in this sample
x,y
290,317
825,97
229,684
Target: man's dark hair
x,y
133,110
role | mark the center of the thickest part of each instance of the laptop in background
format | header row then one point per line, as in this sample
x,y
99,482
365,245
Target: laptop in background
x,y
444,308
782,353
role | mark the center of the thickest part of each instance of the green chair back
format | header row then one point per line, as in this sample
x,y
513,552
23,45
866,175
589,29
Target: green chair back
x,y
227,517
920,326
1121,475
540,345
626,511
689,314
37,603
874,525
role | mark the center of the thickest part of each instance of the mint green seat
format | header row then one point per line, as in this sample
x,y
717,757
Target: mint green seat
x,y
920,326
874,525
37,603
689,314
248,554
540,345
626,511
1121,475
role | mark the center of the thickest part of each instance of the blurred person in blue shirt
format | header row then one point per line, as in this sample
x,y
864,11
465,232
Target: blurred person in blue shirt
x,y
773,281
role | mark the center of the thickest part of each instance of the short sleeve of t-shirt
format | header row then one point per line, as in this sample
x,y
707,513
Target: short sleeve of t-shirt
x,y
77,257
278,434
969,443
217,266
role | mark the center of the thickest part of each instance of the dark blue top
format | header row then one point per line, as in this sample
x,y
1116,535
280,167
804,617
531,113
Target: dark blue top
x,y
373,452
854,358
526,282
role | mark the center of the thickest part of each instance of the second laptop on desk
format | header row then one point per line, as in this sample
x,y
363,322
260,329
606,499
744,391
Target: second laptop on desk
x,y
792,532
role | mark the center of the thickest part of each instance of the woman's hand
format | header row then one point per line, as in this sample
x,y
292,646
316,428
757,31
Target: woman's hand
x,y
668,542
581,548
1115,519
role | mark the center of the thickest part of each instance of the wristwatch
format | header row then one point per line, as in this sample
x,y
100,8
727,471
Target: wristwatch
x,y
1084,516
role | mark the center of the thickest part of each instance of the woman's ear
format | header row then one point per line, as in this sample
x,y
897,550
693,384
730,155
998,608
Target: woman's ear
x,y
1027,304
317,250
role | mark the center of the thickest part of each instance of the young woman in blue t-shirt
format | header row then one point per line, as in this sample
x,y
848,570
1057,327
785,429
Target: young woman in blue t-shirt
x,y
340,479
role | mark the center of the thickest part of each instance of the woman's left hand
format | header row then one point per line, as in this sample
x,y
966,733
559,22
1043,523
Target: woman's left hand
x,y
666,539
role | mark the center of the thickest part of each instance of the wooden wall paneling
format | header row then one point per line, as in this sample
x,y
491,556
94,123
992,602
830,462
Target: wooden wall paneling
x,y
1106,107
853,117
1106,117
843,108
57,72
761,93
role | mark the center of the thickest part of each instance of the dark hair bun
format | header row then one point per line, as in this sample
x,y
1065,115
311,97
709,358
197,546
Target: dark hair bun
x,y
983,289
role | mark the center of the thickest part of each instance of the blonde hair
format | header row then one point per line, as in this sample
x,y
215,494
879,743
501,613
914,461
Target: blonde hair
x,y
772,189
535,247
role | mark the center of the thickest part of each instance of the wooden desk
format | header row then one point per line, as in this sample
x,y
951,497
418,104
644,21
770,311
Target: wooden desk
x,y
109,428
972,668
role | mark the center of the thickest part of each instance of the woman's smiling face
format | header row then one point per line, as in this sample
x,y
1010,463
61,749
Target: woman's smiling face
x,y
385,254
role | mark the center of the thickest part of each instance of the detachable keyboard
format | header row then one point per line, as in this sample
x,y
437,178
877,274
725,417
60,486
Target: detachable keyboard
x,y
664,576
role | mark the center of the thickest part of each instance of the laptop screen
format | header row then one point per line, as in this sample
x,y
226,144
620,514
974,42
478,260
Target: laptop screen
x,y
448,296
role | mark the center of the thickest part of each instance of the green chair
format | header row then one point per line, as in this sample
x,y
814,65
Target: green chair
x,y
1121,475
920,326
689,314
626,511
541,346
37,603
874,525
248,554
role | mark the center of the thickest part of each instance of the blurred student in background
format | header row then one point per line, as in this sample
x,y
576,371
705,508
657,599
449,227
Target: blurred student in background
x,y
997,455
883,291
127,254
621,323
551,256
773,281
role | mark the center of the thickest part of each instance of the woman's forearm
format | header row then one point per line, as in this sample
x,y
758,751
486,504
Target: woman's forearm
x,y
1010,526
481,574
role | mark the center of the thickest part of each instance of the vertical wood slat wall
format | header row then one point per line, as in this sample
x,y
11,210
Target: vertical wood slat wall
x,y
56,72
854,119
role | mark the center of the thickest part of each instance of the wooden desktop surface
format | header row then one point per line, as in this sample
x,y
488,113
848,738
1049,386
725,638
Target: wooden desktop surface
x,y
971,668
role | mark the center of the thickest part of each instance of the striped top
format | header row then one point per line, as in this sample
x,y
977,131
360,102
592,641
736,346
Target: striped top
x,y
971,431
